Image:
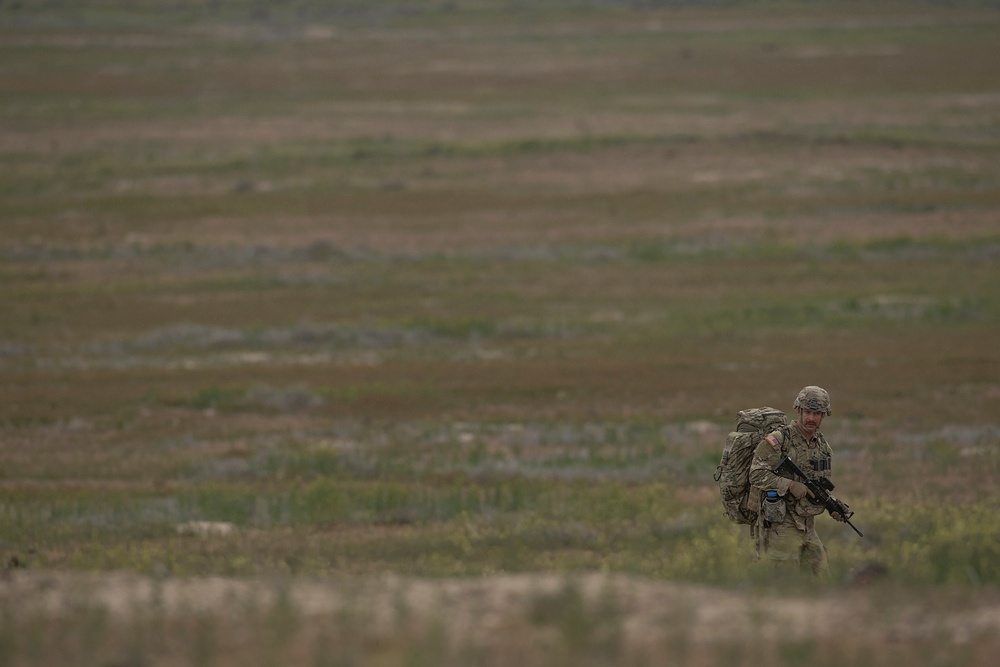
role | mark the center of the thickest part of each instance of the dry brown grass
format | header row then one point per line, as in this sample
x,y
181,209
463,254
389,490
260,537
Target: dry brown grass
x,y
505,620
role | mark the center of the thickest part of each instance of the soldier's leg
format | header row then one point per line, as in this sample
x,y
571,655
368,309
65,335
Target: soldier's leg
x,y
814,555
783,546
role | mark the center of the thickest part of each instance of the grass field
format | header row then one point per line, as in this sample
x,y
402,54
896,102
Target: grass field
x,y
409,333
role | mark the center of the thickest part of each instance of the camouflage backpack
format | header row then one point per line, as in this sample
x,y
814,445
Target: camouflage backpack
x,y
733,472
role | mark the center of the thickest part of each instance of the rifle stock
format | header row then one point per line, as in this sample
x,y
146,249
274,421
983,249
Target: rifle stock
x,y
820,489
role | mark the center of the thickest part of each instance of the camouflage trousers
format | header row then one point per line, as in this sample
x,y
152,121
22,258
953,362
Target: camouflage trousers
x,y
793,548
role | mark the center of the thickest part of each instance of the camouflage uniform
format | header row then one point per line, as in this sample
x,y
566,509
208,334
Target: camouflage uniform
x,y
786,528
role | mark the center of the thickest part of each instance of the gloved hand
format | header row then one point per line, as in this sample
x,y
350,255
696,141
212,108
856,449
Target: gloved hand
x,y
798,489
840,517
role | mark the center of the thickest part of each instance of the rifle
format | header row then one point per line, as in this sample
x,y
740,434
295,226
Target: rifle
x,y
820,488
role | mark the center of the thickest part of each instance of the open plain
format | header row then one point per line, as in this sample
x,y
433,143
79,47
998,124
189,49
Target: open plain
x,y
409,333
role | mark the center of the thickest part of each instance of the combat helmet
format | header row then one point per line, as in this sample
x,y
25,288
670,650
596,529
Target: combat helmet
x,y
813,399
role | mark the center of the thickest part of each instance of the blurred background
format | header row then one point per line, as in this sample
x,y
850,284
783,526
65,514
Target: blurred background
x,y
452,289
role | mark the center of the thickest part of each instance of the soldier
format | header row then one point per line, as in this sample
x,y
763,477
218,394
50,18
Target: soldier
x,y
785,528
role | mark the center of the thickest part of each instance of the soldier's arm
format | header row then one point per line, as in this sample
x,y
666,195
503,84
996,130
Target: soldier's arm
x,y
766,458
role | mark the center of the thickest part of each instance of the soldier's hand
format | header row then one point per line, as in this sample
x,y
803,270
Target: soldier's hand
x,y
842,517
798,489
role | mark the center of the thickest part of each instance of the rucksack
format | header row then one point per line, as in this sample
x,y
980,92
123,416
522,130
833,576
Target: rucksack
x,y
733,472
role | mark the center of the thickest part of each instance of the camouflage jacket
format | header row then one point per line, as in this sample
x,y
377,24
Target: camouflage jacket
x,y
813,455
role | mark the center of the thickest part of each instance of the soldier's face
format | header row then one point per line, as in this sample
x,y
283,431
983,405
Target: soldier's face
x,y
810,421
